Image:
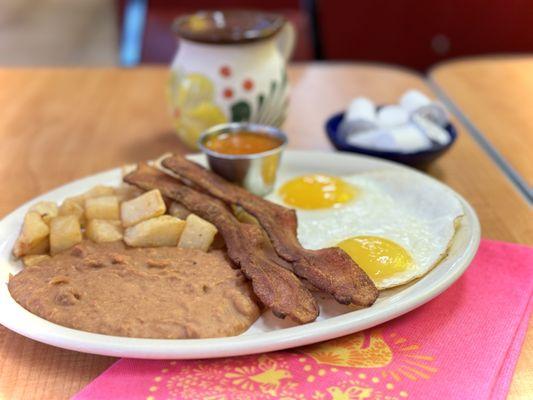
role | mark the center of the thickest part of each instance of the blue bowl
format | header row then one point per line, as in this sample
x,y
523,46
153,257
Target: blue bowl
x,y
416,159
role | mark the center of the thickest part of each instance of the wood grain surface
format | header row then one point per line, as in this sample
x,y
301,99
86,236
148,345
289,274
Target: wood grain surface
x,y
496,95
57,125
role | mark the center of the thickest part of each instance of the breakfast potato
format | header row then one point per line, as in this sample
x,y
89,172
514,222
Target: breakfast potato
x,y
198,234
98,191
127,192
32,260
47,210
100,230
65,232
178,211
33,238
144,207
71,206
78,200
155,232
106,207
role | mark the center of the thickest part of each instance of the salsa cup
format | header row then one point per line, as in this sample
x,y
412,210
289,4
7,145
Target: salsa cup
x,y
255,172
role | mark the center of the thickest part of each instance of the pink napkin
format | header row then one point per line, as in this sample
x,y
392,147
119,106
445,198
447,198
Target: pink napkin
x,y
462,345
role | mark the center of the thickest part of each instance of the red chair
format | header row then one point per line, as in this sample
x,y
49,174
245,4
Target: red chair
x,y
418,33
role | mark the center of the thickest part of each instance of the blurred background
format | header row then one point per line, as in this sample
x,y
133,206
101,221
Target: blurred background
x,y
412,33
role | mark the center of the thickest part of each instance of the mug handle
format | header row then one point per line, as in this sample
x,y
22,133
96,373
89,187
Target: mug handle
x,y
286,40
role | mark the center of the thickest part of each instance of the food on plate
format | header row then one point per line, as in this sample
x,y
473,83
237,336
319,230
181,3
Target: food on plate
x,y
96,191
141,208
386,262
243,216
276,287
105,207
397,226
76,205
101,230
163,292
243,153
46,209
329,269
316,191
168,240
72,206
242,143
105,214
198,234
178,211
35,259
33,238
164,230
126,192
65,232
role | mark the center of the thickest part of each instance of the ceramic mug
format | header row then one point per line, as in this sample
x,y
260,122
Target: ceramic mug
x,y
230,67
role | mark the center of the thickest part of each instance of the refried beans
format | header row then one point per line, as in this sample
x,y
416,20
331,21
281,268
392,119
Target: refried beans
x,y
164,292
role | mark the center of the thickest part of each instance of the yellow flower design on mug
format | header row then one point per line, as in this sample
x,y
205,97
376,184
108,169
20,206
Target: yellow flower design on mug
x,y
192,98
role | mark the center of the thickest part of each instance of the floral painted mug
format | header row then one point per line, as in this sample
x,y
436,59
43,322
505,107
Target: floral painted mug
x,y
230,67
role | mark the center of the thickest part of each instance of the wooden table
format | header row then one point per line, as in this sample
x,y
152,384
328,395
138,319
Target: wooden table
x,y
58,125
496,95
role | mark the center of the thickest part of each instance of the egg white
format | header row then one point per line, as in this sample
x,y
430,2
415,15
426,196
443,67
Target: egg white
x,y
411,210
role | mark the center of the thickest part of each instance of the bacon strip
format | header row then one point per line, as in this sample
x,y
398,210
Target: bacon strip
x,y
329,269
278,288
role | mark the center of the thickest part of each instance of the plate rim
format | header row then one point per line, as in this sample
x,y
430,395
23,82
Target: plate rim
x,y
94,343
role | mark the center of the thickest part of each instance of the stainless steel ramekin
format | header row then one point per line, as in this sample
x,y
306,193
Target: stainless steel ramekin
x,y
256,172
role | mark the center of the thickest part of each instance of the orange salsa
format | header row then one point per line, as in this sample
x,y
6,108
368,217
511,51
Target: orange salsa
x,y
242,143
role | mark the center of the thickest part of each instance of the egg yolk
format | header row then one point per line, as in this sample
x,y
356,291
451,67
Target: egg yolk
x,y
380,258
316,191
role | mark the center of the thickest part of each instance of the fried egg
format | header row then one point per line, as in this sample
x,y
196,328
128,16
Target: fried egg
x,y
395,225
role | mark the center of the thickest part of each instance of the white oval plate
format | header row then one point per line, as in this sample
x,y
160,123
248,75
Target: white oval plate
x,y
268,333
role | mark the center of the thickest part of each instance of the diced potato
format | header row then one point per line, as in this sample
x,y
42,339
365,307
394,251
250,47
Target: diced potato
x,y
76,205
160,231
98,191
79,200
32,260
144,207
115,222
127,192
33,238
198,234
47,210
105,207
178,211
71,206
100,230
65,232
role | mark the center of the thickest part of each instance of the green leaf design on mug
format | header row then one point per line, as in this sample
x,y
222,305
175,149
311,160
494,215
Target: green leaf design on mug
x,y
284,78
240,111
273,86
260,101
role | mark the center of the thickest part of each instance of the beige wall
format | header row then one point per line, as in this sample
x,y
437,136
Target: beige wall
x,y
58,32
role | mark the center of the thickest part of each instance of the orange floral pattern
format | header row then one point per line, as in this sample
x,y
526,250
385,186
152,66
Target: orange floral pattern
x,y
366,365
